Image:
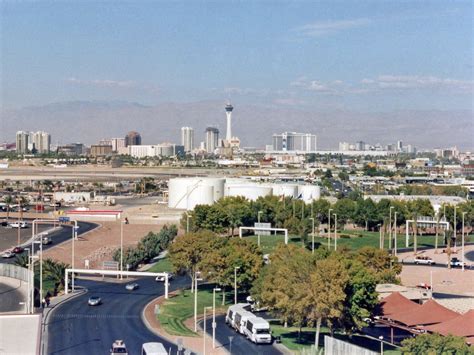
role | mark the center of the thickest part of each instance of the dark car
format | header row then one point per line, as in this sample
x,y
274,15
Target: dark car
x,y
18,250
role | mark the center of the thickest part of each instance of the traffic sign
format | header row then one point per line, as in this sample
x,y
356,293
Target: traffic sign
x,y
64,219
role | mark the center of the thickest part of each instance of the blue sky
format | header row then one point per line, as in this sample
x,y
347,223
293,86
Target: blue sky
x,y
361,55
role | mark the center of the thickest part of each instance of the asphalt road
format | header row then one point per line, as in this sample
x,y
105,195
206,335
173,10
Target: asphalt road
x,y
76,328
59,237
240,344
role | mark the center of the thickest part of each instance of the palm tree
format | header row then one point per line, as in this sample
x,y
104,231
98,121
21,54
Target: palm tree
x,y
21,260
8,201
55,271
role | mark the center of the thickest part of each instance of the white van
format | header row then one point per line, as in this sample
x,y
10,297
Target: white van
x,y
153,349
230,315
257,330
240,318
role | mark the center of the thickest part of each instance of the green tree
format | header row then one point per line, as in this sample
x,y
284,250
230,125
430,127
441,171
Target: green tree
x,y
188,252
21,260
8,200
384,266
365,213
435,344
344,209
325,296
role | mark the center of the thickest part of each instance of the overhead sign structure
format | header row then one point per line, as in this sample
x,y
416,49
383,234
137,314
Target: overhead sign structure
x,y
262,226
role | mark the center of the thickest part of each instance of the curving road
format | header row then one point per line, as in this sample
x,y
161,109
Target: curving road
x,y
76,328
60,236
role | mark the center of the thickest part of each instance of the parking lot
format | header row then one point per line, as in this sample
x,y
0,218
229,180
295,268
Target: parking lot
x,y
9,235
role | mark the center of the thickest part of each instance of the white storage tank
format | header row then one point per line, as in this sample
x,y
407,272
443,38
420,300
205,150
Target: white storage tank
x,y
309,193
251,192
199,195
287,190
180,190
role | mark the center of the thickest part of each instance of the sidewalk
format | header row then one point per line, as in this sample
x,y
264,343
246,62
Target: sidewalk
x,y
195,344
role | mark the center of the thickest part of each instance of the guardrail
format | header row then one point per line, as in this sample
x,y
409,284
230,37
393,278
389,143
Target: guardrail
x,y
15,272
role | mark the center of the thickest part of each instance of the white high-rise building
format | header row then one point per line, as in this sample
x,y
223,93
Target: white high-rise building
x,y
117,143
22,142
228,112
187,138
292,141
41,142
212,139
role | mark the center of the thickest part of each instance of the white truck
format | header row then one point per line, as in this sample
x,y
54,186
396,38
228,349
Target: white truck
x,y
230,315
240,318
257,330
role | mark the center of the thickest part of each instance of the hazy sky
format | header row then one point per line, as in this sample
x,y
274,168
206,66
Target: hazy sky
x,y
363,55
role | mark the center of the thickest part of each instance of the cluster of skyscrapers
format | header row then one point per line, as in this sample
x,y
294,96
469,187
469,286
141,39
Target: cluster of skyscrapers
x,y
212,143
294,142
363,146
33,142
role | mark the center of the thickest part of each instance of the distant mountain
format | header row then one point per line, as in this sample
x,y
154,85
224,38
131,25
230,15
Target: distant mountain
x,y
89,121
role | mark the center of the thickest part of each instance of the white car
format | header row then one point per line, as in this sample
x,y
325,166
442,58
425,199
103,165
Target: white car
x,y
8,254
424,260
20,224
132,286
94,301
162,278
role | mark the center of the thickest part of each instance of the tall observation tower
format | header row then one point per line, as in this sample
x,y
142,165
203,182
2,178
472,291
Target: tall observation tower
x,y
228,112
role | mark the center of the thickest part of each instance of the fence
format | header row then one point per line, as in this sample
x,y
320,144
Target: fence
x,y
15,272
333,346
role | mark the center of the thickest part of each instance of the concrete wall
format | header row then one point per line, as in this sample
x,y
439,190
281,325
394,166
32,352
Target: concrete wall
x,y
14,272
333,346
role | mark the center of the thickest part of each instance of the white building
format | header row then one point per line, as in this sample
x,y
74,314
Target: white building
x,y
212,139
117,143
41,141
157,150
292,141
187,138
22,142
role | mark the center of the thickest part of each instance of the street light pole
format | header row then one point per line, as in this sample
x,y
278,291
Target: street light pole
x,y
258,221
195,299
395,233
381,344
455,225
121,247
187,222
329,228
390,230
312,235
235,283
204,333
214,316
335,231
463,214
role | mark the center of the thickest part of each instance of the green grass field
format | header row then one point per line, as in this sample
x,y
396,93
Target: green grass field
x,y
163,265
297,342
176,310
351,239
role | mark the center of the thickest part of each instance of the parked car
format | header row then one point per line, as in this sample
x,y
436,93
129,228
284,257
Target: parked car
x,y
18,250
8,254
424,260
20,224
3,223
118,347
424,286
161,278
94,301
132,286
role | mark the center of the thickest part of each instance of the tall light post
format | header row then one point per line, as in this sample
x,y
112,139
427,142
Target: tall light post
x,y
395,232
235,283
121,247
258,219
381,344
312,235
195,298
204,333
390,230
455,227
329,228
462,246
187,222
335,231
29,280
213,316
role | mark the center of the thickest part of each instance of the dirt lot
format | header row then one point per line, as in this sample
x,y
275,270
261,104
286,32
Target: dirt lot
x,y
99,244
